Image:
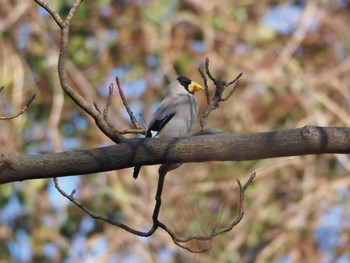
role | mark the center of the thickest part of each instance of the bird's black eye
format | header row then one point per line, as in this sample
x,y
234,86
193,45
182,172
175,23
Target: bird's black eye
x,y
184,81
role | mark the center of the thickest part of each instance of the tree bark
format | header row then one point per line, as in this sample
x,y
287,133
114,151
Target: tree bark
x,y
218,147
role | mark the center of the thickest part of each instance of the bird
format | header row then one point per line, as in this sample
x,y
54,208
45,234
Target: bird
x,y
176,113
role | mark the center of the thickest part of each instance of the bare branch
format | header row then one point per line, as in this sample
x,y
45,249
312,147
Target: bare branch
x,y
162,173
96,107
163,170
72,12
52,12
220,85
109,102
231,92
92,214
90,109
204,148
30,100
235,80
208,71
178,241
132,131
126,105
236,83
204,77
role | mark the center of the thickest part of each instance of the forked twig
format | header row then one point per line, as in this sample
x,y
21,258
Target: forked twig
x,y
220,85
138,130
214,232
163,170
90,109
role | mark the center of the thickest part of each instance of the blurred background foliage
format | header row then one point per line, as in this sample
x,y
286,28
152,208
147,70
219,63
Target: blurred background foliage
x,y
295,60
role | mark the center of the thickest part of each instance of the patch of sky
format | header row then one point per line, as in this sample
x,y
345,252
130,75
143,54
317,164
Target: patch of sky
x,y
11,211
99,248
343,259
134,88
342,3
43,12
71,143
285,17
99,43
343,193
132,259
87,224
198,46
76,122
284,259
152,61
48,220
156,77
131,89
241,49
45,147
50,250
20,248
119,72
78,246
22,36
115,258
146,240
105,10
328,229
79,121
165,254
67,260
57,201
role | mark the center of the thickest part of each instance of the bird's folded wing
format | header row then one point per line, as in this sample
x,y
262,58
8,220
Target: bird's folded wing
x,y
158,124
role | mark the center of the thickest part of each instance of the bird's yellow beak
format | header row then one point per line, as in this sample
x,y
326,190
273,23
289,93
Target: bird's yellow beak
x,y
194,86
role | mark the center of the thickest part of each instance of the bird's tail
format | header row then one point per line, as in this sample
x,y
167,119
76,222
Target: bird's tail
x,y
136,171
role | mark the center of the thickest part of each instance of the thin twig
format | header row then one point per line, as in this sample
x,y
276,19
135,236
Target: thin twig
x,y
52,12
132,131
163,171
126,105
204,77
72,11
235,80
208,71
109,102
94,215
30,100
96,107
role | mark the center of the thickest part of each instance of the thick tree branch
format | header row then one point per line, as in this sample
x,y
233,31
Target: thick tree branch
x,y
219,147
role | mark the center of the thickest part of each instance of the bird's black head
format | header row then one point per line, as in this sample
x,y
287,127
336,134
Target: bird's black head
x,y
185,82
